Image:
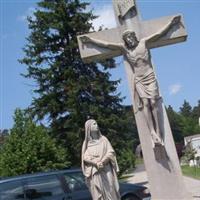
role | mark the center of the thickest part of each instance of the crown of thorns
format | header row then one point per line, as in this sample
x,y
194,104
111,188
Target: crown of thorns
x,y
127,32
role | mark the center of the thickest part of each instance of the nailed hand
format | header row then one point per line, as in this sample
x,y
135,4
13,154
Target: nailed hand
x,y
85,39
176,19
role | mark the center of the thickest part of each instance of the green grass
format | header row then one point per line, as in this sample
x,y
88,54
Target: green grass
x,y
124,177
193,172
129,172
139,161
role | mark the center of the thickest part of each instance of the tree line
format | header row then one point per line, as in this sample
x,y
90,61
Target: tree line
x,y
185,122
29,147
49,133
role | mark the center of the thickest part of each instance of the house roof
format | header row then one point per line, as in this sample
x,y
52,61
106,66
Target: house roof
x,y
189,138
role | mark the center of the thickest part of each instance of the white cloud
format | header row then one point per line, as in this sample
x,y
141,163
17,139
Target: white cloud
x,y
29,12
106,17
175,88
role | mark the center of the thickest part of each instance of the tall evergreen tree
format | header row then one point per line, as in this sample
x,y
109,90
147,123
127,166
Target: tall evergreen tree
x,y
69,91
175,120
196,112
186,109
190,125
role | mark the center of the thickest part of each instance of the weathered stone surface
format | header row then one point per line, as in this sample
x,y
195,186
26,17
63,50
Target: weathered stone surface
x,y
99,164
92,52
160,158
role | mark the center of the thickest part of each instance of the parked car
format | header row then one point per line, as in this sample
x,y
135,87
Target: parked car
x,y
59,185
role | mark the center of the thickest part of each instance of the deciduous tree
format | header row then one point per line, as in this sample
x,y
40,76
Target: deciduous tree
x,y
30,149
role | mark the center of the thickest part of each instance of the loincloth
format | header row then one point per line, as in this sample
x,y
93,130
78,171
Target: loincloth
x,y
146,86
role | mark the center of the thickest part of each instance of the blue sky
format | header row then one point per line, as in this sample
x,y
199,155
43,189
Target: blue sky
x,y
177,66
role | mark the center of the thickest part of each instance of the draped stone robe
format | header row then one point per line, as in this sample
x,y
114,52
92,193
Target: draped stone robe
x,y
102,183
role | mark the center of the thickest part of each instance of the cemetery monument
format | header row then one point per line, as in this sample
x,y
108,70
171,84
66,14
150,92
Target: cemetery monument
x,y
133,38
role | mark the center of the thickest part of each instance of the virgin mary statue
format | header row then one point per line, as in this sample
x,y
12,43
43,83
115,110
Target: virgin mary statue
x,y
99,164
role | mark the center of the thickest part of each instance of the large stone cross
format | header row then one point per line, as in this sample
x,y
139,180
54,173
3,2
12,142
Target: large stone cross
x,y
161,162
127,17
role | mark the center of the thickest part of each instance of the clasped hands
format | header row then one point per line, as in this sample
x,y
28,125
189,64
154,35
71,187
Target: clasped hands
x,y
99,165
96,161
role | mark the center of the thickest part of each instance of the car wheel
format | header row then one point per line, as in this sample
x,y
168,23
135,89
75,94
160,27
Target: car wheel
x,y
130,197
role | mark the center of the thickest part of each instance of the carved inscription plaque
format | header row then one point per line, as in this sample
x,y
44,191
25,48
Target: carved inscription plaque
x,y
122,7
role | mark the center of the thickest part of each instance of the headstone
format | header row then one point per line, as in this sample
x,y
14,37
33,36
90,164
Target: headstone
x,y
134,38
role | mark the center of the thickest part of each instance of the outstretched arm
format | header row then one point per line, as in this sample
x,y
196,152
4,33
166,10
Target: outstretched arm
x,y
164,29
101,43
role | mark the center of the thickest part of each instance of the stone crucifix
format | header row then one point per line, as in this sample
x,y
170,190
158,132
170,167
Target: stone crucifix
x,y
133,38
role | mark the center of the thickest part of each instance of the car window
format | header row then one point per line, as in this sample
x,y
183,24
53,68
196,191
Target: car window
x,y
45,187
75,181
11,190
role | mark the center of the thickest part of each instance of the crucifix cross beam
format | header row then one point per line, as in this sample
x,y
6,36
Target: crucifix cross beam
x,y
133,38
127,16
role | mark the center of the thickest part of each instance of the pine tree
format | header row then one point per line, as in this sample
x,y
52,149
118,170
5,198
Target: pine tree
x,y
69,91
175,120
30,149
196,112
190,125
186,109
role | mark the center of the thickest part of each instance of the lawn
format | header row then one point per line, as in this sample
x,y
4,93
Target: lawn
x,y
193,172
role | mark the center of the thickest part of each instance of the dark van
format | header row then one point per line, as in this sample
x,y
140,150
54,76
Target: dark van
x,y
59,185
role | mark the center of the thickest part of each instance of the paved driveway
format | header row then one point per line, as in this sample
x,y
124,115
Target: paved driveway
x,y
139,176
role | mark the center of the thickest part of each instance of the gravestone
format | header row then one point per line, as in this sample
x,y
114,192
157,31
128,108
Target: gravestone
x,y
161,160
